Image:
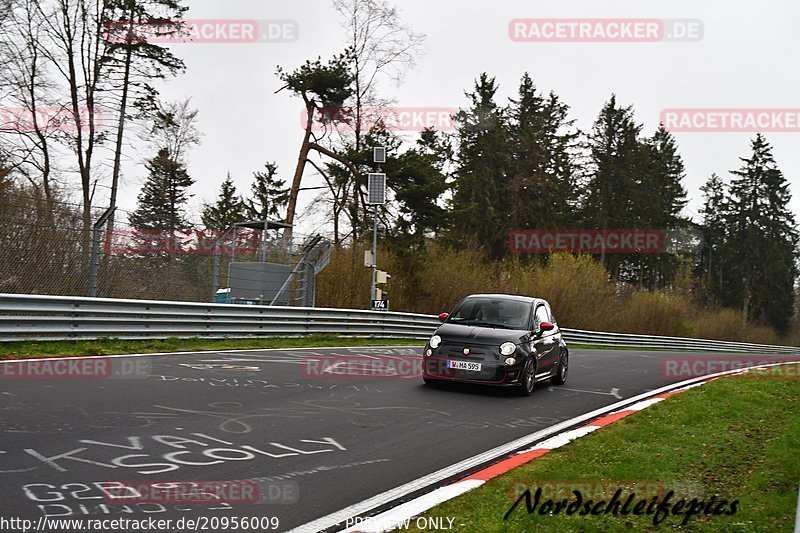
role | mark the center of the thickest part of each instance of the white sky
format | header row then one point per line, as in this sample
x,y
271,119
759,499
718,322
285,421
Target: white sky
x,y
746,59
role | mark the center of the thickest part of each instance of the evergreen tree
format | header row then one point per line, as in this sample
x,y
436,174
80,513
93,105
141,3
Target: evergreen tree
x,y
480,214
615,189
164,196
616,158
763,239
135,63
227,210
269,194
418,180
542,182
714,213
660,200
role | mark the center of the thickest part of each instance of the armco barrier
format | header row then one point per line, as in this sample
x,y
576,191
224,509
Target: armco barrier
x,y
36,317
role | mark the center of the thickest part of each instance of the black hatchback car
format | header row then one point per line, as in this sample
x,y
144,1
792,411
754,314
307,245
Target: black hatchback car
x,y
497,339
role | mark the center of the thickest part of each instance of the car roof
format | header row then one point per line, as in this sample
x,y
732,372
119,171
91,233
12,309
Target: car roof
x,y
526,299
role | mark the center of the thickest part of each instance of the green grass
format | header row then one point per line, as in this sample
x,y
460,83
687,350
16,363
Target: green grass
x,y
735,438
31,349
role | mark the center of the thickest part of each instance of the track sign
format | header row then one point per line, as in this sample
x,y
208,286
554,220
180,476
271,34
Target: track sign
x,y
379,154
382,277
376,189
380,305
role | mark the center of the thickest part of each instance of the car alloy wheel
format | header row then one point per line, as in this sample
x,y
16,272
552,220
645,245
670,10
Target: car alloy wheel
x,y
528,378
563,369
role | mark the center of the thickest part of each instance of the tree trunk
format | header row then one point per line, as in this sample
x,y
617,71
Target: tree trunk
x,y
121,126
294,191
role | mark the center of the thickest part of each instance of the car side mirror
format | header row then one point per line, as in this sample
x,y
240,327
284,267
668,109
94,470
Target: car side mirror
x,y
546,326
444,316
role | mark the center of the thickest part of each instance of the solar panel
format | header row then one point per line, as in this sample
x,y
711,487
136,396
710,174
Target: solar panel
x,y
379,154
376,189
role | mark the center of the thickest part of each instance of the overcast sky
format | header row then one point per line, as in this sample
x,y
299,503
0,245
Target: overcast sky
x,y
746,58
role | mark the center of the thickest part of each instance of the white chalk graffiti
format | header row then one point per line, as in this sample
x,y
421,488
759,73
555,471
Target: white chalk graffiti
x,y
164,453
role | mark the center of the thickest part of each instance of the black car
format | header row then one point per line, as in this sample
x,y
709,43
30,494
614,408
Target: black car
x,y
497,339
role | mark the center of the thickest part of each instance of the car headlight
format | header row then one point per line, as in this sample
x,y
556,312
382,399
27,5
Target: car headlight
x,y
435,341
507,348
510,361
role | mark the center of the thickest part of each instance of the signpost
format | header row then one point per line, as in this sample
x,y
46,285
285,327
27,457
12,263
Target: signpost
x,y
376,196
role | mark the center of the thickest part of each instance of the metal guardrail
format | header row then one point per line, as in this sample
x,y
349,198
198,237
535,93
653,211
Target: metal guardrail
x,y
36,317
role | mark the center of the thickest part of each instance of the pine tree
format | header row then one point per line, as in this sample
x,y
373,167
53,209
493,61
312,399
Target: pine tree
x,y
614,188
269,194
227,210
418,180
164,196
479,207
661,198
763,236
542,181
714,213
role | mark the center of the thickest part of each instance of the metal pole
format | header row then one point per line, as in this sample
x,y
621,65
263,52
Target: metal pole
x,y
95,259
215,271
373,293
797,515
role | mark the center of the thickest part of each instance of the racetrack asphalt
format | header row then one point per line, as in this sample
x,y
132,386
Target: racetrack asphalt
x,y
309,438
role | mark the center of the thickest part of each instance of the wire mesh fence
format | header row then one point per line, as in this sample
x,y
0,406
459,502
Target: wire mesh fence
x,y
46,248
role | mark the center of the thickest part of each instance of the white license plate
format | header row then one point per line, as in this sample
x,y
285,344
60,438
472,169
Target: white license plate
x,y
464,365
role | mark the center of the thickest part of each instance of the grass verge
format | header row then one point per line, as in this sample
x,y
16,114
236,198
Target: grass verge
x,y
736,438
31,349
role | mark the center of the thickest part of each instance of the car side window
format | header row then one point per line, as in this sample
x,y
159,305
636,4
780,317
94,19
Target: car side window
x,y
541,316
550,314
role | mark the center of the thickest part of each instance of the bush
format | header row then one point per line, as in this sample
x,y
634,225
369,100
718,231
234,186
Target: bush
x,y
578,287
653,313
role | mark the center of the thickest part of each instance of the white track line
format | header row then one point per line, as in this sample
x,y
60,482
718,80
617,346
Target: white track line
x,y
339,518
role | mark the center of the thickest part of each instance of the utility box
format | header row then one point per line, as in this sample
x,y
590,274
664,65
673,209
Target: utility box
x,y
224,296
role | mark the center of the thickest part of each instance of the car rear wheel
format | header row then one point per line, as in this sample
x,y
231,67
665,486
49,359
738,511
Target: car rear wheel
x,y
528,378
563,368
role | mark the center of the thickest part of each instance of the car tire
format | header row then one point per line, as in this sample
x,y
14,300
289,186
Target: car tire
x,y
528,378
562,370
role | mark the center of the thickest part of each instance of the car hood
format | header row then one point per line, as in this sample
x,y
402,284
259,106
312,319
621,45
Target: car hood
x,y
480,335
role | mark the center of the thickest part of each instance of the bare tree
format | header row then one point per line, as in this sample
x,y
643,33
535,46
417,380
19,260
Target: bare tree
x,y
174,129
75,46
383,47
32,116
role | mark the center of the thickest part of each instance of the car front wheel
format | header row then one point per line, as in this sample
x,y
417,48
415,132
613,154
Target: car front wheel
x,y
563,368
528,378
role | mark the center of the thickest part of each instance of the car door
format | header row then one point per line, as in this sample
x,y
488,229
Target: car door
x,y
545,342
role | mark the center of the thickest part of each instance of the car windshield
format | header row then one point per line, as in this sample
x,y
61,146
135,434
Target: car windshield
x,y
491,312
